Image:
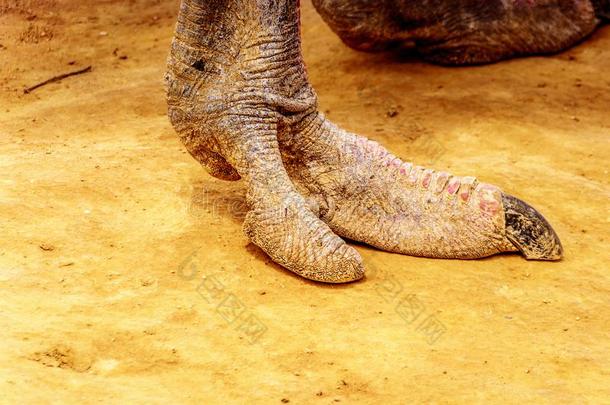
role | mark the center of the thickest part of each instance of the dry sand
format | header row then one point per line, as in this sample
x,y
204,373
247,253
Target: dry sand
x,y
109,227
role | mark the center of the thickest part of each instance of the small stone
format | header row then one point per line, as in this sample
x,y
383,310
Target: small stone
x,y
147,282
47,247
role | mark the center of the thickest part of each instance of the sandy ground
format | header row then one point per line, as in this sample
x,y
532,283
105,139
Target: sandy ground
x,y
125,276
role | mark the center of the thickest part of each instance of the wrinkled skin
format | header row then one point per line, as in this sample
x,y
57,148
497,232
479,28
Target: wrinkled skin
x,y
240,100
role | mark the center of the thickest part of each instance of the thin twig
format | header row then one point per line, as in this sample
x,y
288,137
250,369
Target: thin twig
x,y
57,78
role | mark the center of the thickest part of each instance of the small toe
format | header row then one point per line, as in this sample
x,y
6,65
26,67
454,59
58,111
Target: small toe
x,y
297,239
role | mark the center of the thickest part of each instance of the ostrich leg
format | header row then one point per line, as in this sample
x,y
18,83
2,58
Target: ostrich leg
x,y
235,80
240,100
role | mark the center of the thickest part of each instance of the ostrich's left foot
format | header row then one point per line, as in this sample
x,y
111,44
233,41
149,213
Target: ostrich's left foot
x,y
462,32
367,194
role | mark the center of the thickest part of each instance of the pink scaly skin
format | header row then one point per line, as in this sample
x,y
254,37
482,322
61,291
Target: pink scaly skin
x,y
240,100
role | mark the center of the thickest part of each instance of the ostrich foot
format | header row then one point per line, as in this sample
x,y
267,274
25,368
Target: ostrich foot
x,y
240,100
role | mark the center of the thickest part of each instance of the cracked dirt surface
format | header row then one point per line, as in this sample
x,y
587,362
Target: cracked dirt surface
x,y
109,227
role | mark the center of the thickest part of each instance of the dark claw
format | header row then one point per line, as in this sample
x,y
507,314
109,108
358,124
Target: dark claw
x,y
602,9
527,229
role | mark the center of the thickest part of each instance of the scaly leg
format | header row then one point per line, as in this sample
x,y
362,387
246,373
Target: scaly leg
x,y
234,79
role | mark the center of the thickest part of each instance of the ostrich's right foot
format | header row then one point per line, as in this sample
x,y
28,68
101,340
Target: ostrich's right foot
x,y
240,100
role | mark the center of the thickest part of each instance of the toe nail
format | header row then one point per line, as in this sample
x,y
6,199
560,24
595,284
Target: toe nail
x,y
529,231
